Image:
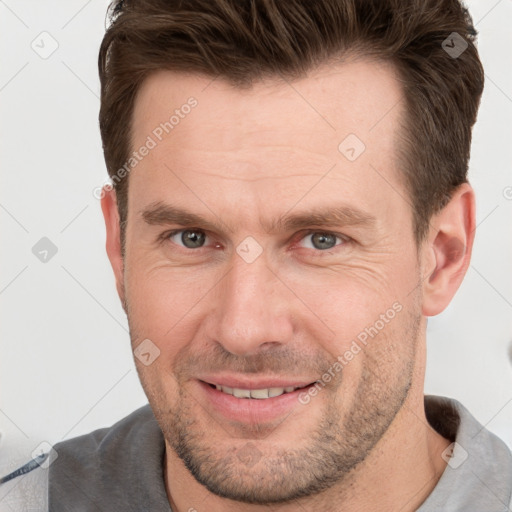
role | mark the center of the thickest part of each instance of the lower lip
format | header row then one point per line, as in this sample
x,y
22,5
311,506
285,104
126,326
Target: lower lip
x,y
251,410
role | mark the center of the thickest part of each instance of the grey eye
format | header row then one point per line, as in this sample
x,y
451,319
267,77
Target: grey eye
x,y
323,241
320,241
189,238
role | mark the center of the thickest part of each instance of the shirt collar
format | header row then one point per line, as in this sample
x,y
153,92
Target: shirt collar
x,y
478,475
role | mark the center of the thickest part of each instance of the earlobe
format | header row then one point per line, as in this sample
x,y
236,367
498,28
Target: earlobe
x,y
449,249
113,238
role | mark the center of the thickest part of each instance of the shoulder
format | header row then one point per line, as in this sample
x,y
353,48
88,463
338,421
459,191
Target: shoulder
x,y
98,449
478,474
104,440
106,466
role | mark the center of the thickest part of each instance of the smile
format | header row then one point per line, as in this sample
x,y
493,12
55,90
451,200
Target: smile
x,y
259,394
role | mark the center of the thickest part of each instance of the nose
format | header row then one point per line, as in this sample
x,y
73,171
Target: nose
x,y
252,309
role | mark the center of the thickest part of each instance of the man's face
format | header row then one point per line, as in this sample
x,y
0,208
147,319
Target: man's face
x,y
263,243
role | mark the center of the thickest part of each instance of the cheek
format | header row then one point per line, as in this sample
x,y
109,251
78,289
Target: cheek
x,y
164,302
350,298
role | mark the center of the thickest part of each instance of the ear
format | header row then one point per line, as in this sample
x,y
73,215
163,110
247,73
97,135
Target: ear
x,y
113,244
447,251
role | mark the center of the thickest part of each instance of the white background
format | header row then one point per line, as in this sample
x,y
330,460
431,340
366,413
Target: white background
x,y
65,362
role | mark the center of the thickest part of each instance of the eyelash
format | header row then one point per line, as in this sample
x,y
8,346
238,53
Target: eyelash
x,y
344,239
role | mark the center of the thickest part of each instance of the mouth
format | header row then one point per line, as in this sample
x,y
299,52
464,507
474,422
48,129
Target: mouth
x,y
256,402
257,394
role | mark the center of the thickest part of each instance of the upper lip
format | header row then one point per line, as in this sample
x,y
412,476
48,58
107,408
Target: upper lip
x,y
243,382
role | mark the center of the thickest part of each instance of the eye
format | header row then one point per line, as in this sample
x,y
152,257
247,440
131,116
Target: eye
x,y
188,238
321,241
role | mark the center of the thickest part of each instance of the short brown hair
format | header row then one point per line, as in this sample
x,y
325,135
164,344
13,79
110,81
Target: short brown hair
x,y
242,41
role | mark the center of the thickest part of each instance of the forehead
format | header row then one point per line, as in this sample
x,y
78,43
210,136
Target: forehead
x,y
276,136
334,99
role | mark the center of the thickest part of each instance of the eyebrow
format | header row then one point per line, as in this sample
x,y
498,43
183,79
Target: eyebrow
x,y
159,213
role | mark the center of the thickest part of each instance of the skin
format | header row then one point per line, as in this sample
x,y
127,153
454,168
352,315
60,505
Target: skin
x,y
243,159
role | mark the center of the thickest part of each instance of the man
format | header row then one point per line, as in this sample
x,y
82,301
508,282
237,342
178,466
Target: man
x,y
290,205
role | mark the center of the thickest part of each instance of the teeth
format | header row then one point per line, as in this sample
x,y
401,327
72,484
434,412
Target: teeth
x,y
259,393
255,393
275,392
241,393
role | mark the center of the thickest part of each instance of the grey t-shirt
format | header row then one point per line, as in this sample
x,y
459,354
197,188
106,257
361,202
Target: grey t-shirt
x,y
121,468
